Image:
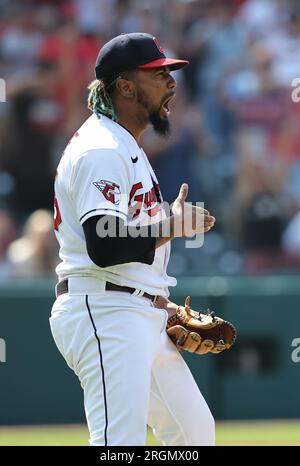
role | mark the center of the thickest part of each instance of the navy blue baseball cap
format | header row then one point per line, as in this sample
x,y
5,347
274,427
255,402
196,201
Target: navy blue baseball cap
x,y
131,51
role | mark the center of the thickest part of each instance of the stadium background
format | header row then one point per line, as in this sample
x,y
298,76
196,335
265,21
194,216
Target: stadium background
x,y
235,140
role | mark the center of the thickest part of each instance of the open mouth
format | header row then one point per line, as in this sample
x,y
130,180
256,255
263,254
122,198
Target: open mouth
x,y
165,106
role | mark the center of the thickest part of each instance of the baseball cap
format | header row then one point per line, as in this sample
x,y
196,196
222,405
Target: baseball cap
x,y
131,51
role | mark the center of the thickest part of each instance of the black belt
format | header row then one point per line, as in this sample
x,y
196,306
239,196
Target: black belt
x,y
62,287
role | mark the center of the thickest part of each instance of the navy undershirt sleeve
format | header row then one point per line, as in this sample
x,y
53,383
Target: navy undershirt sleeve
x,y
109,251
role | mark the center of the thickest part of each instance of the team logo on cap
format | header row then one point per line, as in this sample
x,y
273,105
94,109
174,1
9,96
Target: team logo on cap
x,y
110,190
158,45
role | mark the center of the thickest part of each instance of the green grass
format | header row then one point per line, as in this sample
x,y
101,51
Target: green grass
x,y
64,435
259,433
228,433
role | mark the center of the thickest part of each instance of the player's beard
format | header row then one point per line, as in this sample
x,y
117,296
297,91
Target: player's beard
x,y
160,125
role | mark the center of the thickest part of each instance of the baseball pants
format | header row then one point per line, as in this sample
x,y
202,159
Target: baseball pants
x,y
130,371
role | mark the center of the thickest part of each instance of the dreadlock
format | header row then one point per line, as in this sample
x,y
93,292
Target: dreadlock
x,y
100,95
99,99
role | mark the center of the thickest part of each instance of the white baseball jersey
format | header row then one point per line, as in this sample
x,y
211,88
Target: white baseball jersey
x,y
104,171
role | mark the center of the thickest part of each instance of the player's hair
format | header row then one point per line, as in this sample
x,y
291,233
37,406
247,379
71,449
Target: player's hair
x,y
100,95
99,99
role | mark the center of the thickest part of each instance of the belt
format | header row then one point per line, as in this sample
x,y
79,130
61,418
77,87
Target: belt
x,y
62,287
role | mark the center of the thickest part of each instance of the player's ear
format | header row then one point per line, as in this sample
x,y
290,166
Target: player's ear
x,y
126,87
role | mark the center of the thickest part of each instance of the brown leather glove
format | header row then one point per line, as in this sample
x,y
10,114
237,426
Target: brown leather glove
x,y
199,332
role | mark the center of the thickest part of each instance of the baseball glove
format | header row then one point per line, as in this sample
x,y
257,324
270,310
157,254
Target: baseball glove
x,y
199,332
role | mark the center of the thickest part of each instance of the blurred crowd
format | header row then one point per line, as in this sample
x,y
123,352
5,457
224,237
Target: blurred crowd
x,y
235,138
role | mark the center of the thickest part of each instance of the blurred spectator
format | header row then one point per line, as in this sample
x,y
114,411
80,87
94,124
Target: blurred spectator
x,y
73,56
224,44
290,243
92,16
20,40
137,16
8,233
25,152
35,254
261,209
261,17
255,79
283,44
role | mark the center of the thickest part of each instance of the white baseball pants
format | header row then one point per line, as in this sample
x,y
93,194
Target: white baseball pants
x,y
130,371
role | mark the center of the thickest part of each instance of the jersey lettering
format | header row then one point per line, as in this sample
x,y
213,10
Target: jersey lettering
x,y
147,202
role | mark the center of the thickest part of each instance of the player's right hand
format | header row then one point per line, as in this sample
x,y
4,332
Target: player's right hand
x,y
189,219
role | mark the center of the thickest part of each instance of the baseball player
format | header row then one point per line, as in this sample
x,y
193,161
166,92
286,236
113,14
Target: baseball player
x,y
112,305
